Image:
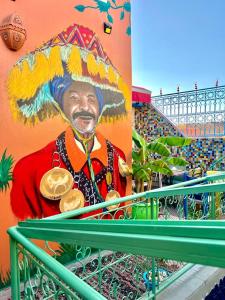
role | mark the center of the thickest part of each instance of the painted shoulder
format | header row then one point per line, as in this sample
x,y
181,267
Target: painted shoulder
x,y
36,159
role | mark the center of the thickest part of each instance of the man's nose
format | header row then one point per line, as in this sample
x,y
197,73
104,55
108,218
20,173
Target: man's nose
x,y
84,103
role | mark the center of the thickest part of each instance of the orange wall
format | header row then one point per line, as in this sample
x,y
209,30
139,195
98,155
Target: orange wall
x,y
42,20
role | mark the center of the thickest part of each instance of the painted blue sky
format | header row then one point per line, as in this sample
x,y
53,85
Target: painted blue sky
x,y
178,42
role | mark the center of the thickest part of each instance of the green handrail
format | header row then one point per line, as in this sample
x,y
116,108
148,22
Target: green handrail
x,y
196,242
73,281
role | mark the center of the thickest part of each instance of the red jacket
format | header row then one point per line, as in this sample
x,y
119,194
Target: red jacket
x,y
26,199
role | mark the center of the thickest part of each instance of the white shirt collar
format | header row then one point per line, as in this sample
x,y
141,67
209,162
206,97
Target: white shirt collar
x,y
96,145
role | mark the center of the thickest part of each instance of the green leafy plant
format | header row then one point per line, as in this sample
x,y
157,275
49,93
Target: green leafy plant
x,y
155,157
6,163
67,253
106,6
5,280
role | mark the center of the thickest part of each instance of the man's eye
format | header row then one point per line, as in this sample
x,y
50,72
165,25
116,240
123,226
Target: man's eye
x,y
74,97
92,99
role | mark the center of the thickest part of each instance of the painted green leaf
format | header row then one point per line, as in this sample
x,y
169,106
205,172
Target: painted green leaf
x,y
110,18
128,31
127,6
5,280
114,1
5,171
122,15
103,6
80,8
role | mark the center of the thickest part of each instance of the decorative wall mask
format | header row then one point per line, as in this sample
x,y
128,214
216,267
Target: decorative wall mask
x,y
12,31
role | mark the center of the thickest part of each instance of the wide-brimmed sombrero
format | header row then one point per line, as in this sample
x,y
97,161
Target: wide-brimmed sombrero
x,y
76,52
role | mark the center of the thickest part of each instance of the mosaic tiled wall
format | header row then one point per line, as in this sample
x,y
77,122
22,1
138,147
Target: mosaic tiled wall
x,y
201,153
151,124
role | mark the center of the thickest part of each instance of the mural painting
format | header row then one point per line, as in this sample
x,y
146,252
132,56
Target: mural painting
x,y
65,109
70,75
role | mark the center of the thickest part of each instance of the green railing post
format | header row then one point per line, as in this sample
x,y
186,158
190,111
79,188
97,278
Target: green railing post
x,y
100,273
152,208
213,206
157,209
153,279
146,208
15,276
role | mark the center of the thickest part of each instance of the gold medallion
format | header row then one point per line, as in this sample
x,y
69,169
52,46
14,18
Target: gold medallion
x,y
111,196
124,168
108,178
74,199
55,183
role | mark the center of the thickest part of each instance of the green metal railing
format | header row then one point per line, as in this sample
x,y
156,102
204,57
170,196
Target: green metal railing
x,y
116,255
183,240
51,277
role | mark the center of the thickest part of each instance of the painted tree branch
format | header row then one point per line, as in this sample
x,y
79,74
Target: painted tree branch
x,y
105,7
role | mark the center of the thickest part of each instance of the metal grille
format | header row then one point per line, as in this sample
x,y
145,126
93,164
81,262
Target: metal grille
x,y
196,113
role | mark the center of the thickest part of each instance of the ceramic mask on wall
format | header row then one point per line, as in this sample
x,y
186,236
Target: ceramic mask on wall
x,y
13,32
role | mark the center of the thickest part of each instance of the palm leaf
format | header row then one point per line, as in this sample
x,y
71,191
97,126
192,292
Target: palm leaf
x,y
136,156
160,166
142,174
143,168
158,148
136,167
177,161
177,141
138,140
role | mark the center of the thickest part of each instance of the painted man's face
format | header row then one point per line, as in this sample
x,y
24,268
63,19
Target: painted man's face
x,y
80,106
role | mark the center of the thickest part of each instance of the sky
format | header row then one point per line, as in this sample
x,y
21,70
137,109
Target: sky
x,y
178,42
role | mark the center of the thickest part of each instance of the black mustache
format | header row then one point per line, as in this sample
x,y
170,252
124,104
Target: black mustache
x,y
83,114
